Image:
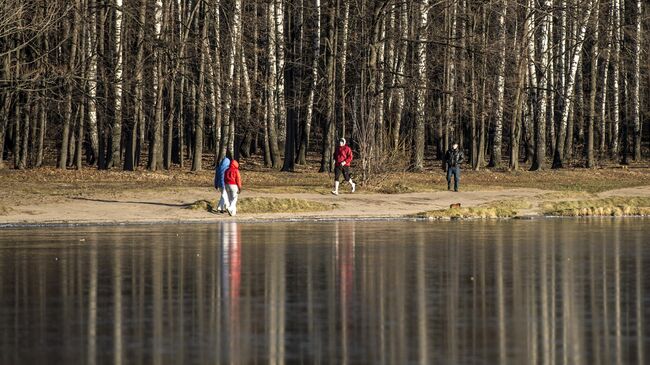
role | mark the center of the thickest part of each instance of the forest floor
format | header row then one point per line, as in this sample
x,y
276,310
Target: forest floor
x,y
50,196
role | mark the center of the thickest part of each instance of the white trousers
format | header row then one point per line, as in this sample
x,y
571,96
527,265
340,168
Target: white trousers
x,y
224,202
233,191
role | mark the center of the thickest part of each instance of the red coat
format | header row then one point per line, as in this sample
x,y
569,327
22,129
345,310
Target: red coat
x,y
232,176
343,153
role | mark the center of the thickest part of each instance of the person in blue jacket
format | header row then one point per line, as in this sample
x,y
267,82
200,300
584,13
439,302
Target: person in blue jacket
x,y
220,185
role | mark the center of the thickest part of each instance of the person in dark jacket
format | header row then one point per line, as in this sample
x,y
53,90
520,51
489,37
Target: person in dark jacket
x,y
220,185
343,159
453,159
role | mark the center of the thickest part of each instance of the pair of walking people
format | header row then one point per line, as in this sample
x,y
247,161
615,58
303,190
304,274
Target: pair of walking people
x,y
227,180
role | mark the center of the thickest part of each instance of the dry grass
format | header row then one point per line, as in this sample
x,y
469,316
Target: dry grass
x,y
4,210
266,205
565,195
49,184
613,206
497,209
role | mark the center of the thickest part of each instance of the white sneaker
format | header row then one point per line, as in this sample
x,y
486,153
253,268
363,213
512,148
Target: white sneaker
x,y
354,186
335,192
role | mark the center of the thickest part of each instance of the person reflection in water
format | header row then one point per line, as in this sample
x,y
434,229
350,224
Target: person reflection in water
x,y
231,276
345,248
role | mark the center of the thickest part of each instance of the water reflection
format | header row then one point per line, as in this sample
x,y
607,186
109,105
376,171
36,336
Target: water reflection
x,y
547,292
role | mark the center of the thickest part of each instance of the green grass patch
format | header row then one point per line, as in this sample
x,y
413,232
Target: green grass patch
x,y
497,209
613,206
266,205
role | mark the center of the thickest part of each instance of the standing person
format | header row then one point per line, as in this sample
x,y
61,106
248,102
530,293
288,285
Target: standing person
x,y
220,185
343,158
232,179
453,159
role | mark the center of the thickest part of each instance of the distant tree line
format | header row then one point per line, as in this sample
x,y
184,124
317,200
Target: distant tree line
x,y
153,83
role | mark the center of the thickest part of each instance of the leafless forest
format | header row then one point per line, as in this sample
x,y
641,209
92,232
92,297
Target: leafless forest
x,y
129,84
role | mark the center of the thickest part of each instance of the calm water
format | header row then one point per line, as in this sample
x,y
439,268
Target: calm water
x,y
518,292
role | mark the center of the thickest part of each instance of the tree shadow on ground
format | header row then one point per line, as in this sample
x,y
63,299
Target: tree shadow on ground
x,y
182,205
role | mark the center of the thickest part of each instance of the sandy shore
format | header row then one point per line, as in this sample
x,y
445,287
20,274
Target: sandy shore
x,y
172,206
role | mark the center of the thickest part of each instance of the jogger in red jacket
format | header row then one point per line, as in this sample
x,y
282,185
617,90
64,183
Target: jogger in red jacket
x,y
343,159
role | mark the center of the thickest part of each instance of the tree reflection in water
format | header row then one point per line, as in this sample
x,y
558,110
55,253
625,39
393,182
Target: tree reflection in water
x,y
549,292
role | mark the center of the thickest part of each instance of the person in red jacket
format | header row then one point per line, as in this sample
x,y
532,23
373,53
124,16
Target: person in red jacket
x,y
232,180
343,159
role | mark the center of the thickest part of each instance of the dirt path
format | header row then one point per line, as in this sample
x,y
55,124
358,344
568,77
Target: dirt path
x,y
171,206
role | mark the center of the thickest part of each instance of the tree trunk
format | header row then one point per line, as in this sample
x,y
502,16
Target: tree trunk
x,y
235,39
540,118
272,116
616,77
558,160
42,128
398,110
344,58
515,126
636,81
292,113
495,159
248,103
330,123
199,121
155,150
480,159
280,55
420,63
67,118
304,141
91,56
23,147
138,105
603,98
4,115
116,144
102,89
593,88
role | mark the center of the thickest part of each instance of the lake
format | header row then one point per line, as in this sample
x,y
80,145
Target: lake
x,y
548,291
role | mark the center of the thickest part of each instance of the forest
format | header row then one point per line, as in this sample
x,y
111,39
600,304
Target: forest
x,y
160,84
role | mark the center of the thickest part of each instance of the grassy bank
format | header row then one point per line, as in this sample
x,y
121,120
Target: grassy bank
x,y
613,206
498,209
44,185
266,205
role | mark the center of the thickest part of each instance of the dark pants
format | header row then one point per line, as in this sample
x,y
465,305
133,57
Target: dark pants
x,y
342,169
455,170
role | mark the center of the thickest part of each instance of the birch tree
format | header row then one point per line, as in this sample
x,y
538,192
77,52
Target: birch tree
x,y
636,79
540,118
570,89
593,88
495,160
419,59
156,150
116,129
